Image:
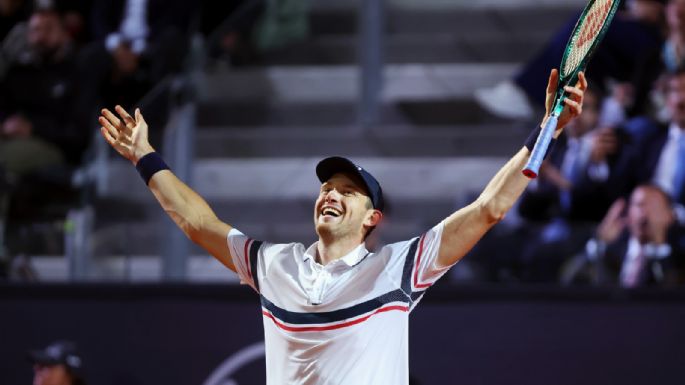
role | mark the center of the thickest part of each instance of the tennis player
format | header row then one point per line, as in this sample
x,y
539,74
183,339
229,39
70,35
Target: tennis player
x,y
334,312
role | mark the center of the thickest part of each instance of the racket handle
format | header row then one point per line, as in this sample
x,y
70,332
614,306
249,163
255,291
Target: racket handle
x,y
532,168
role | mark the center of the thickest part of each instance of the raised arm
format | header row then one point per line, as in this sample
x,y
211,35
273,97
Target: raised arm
x,y
468,225
192,214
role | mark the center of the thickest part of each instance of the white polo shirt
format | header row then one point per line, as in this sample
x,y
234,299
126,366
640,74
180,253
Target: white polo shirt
x,y
343,323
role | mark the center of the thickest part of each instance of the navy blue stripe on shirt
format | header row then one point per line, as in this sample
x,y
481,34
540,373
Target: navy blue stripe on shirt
x,y
254,258
408,267
298,318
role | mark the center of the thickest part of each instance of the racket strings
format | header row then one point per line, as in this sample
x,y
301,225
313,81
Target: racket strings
x,y
587,33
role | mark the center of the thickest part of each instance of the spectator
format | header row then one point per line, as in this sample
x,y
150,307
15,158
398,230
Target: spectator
x,y
573,181
13,12
138,43
633,249
39,124
41,136
75,14
666,58
632,35
228,27
659,157
58,364
577,184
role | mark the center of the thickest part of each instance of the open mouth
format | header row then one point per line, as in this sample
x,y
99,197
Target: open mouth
x,y
330,212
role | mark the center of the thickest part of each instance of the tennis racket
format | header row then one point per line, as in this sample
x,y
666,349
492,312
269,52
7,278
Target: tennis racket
x,y
586,36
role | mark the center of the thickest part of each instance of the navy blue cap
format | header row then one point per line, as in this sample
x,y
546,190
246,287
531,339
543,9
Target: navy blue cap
x,y
335,164
57,353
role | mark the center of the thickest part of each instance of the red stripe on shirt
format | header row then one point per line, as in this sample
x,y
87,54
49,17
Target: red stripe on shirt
x,y
331,327
416,267
247,257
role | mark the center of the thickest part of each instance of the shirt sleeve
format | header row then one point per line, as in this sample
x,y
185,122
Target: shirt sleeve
x,y
245,256
425,271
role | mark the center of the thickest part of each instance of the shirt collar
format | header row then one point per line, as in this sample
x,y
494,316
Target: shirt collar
x,y
674,132
651,250
350,259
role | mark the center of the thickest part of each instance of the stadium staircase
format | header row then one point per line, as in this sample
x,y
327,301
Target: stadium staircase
x,y
262,128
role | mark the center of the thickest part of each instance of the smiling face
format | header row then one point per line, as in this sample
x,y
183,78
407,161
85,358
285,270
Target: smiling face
x,y
343,208
649,214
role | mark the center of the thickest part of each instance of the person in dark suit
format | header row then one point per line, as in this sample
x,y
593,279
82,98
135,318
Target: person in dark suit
x,y
39,89
577,184
635,245
634,34
659,155
136,44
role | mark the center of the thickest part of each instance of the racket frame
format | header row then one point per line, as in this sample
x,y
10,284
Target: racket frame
x,y
532,168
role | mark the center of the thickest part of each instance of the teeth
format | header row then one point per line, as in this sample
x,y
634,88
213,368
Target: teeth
x,y
329,211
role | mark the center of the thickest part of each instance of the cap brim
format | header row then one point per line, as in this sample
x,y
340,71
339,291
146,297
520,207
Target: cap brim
x,y
337,164
333,165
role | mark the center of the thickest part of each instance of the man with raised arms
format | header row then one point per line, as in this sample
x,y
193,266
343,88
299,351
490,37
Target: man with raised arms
x,y
334,312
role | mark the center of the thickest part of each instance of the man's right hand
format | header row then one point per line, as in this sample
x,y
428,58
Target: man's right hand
x,y
128,136
613,223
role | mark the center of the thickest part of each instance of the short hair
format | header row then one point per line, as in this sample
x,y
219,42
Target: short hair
x,y
667,198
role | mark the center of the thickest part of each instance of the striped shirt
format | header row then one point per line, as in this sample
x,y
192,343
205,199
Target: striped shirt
x,y
345,323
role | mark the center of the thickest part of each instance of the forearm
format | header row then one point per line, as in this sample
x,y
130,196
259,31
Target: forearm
x,y
184,206
468,225
192,215
505,187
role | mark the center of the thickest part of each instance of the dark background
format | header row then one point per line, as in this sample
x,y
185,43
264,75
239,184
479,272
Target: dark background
x,y
179,334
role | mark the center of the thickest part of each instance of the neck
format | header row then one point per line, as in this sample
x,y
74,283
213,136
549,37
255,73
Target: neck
x,y
330,249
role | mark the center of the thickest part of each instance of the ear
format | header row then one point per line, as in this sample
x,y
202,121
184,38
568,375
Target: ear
x,y
374,218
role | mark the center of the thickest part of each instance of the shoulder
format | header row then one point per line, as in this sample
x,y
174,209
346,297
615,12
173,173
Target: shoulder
x,y
413,245
282,249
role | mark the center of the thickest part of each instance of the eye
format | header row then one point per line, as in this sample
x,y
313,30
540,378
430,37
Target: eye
x,y
348,193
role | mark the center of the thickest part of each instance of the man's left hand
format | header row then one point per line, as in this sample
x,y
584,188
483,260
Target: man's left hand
x,y
573,102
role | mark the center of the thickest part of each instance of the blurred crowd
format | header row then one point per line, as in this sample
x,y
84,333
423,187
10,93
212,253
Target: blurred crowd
x,y
61,61
607,208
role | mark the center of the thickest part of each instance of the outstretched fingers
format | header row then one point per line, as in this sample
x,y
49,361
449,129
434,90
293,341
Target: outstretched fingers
x,y
139,116
114,132
108,137
113,120
130,122
111,129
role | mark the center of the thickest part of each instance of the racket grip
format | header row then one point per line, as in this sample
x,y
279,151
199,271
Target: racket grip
x,y
532,168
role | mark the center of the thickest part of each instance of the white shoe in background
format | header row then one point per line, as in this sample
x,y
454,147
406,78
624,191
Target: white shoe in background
x,y
505,100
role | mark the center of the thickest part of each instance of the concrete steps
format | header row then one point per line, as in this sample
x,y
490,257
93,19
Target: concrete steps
x,y
388,141
262,128
433,32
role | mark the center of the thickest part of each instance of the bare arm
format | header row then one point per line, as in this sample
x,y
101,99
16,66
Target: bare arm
x,y
188,210
468,225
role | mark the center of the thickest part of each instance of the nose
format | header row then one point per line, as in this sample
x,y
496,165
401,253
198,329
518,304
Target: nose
x,y
332,196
